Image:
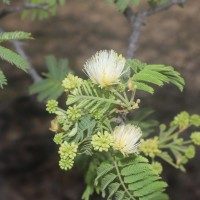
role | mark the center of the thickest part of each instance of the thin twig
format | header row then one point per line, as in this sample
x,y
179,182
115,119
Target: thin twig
x,y
31,70
135,35
137,20
163,7
9,10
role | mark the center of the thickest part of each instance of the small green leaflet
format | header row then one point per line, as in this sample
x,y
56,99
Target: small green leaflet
x,y
50,87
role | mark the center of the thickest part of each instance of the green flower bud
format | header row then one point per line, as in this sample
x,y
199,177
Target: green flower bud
x,y
71,82
181,120
97,114
184,160
190,152
150,147
157,167
162,127
195,120
68,150
195,137
60,119
58,138
51,106
121,87
66,163
102,141
179,141
74,113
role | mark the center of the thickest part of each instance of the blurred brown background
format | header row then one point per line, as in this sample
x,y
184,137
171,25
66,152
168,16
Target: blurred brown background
x,y
28,157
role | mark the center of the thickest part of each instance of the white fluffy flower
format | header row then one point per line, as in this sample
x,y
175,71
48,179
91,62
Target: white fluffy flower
x,y
105,67
126,139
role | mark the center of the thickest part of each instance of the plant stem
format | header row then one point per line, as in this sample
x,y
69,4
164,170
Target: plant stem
x,y
126,102
125,95
187,142
132,96
122,182
173,136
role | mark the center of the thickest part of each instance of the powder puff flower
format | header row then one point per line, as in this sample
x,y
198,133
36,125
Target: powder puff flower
x,y
105,67
126,139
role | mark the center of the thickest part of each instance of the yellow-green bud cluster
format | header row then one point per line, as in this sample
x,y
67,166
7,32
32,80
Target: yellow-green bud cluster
x,y
102,141
195,137
51,106
60,119
190,152
66,163
58,138
67,153
150,147
97,114
195,120
157,167
182,120
184,160
74,113
71,82
121,87
64,123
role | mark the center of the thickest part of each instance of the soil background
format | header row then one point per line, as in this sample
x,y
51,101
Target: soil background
x,y
28,157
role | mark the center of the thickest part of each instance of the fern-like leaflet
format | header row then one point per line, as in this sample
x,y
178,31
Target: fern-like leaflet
x,y
9,55
42,9
123,4
89,96
50,87
141,118
3,80
13,58
131,178
85,128
147,75
17,35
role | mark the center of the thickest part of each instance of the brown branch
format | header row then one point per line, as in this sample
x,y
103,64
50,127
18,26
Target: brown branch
x,y
31,70
137,20
135,35
9,10
163,7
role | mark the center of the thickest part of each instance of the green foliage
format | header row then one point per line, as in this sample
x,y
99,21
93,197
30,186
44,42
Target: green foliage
x,y
123,4
85,128
142,119
3,80
13,58
9,55
17,35
131,178
154,3
175,149
7,1
96,121
50,87
147,75
91,175
90,97
43,9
